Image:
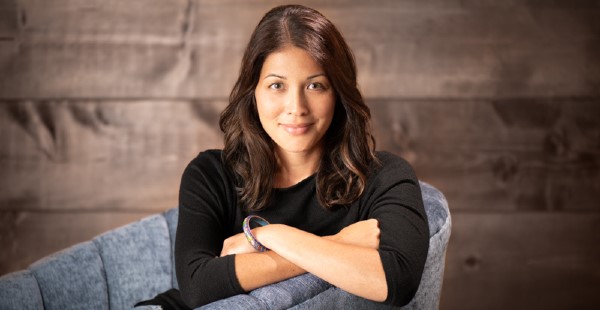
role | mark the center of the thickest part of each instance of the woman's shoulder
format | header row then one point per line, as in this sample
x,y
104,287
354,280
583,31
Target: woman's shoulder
x,y
390,166
209,164
206,184
389,175
208,158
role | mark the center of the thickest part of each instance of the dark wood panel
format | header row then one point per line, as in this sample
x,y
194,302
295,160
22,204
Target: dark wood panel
x,y
100,155
499,155
93,70
522,261
404,49
8,19
110,21
26,237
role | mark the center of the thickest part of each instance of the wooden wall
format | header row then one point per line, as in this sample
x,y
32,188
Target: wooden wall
x,y
496,103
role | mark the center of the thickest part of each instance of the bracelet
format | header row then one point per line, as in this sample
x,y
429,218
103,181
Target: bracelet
x,y
249,236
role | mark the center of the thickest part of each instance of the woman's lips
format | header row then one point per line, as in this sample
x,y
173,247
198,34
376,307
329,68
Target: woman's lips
x,y
296,129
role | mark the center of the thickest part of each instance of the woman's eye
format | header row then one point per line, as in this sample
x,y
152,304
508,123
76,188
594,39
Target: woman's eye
x,y
276,86
315,86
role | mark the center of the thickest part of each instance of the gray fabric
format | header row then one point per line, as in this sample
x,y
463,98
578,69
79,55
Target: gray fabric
x,y
281,295
436,208
286,294
335,298
135,262
171,216
240,302
440,226
19,290
72,279
137,259
149,308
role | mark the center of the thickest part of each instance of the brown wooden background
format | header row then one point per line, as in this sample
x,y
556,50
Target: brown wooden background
x,y
496,103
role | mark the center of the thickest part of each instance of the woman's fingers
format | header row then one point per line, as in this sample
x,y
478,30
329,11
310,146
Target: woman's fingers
x,y
236,244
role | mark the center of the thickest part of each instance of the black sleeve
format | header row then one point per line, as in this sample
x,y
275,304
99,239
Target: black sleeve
x,y
203,277
394,199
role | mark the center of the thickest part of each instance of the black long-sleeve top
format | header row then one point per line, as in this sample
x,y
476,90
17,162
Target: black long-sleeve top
x,y
209,213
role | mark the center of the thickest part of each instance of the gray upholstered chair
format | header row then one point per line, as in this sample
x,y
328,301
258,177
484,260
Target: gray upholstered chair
x,y
135,262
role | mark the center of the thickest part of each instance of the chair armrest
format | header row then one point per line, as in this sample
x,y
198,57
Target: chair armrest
x,y
280,295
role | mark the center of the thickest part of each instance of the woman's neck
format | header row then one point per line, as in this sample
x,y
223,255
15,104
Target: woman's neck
x,y
295,167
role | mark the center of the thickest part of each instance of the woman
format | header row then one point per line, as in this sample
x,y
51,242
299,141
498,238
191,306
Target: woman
x,y
299,153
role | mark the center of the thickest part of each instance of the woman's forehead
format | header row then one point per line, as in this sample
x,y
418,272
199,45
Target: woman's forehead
x,y
291,61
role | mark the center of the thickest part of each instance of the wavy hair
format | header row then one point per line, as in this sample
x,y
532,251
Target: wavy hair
x,y
349,146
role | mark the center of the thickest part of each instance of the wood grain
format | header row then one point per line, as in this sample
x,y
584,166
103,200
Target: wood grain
x,y
9,20
107,21
86,155
525,260
192,49
28,236
500,155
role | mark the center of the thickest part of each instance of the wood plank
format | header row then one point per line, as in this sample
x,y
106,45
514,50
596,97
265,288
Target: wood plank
x,y
95,70
9,20
97,49
93,155
522,261
109,21
74,49
28,236
499,155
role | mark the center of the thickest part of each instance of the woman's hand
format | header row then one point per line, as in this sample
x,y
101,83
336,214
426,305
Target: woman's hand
x,y
364,234
236,244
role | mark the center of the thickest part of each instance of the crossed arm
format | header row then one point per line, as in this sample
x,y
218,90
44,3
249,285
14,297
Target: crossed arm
x,y
349,259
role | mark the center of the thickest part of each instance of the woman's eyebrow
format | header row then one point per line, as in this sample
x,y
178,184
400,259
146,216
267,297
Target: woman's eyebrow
x,y
275,75
284,78
315,75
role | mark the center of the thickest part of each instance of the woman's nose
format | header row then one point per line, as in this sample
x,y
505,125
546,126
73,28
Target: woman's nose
x,y
296,103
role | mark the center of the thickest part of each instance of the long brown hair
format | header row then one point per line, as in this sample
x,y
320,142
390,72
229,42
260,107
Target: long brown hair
x,y
349,147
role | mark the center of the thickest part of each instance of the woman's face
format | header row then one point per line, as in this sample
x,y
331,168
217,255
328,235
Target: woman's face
x,y
295,101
